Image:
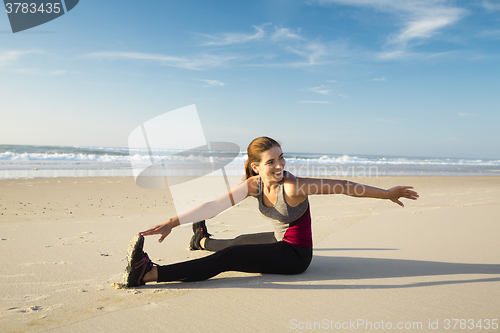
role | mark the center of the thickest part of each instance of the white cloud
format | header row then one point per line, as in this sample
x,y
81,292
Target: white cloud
x,y
36,71
8,57
406,55
230,38
393,55
378,79
322,90
235,38
319,90
318,52
419,19
196,62
314,102
425,27
491,5
311,51
314,52
212,82
284,33
492,34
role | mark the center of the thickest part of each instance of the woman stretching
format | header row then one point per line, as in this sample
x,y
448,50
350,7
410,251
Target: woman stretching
x,y
282,197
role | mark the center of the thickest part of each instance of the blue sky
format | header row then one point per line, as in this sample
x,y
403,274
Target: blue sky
x,y
379,77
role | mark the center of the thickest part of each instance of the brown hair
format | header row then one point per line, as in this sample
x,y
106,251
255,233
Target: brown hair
x,y
255,150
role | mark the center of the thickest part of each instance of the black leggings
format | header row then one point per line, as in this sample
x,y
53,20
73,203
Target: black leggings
x,y
271,258
215,245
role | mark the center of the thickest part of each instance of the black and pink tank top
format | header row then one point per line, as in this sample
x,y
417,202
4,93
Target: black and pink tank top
x,y
291,224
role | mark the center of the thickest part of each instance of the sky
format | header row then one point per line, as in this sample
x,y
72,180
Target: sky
x,y
356,77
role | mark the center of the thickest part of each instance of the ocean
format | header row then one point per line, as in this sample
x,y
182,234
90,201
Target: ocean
x,y
26,161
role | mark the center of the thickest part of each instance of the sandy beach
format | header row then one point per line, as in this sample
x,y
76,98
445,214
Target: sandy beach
x,y
63,243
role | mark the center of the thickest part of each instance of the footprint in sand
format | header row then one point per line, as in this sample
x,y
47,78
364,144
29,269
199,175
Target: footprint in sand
x,y
31,309
35,308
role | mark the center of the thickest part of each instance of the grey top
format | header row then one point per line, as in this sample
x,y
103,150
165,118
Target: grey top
x,y
281,214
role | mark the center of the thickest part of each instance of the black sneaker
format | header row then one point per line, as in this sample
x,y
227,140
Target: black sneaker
x,y
138,263
200,232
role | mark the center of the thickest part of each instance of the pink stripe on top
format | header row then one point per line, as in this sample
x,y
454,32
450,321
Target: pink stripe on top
x,y
299,232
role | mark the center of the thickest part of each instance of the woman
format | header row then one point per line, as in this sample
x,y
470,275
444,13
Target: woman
x,y
282,197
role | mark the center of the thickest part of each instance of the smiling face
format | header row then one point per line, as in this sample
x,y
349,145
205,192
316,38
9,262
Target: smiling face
x,y
271,165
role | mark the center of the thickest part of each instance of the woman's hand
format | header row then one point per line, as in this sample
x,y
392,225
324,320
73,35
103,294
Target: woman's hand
x,y
401,192
163,229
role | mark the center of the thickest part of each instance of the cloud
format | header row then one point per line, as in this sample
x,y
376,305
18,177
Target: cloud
x,y
195,62
322,90
321,53
319,90
314,52
378,79
419,19
490,34
407,55
284,33
311,51
393,55
425,25
212,82
35,71
8,57
490,5
230,38
465,114
235,38
314,102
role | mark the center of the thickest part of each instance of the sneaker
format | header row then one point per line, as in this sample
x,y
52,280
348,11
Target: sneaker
x,y
138,263
200,231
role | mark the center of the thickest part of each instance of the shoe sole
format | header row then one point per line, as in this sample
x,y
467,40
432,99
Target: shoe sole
x,y
135,244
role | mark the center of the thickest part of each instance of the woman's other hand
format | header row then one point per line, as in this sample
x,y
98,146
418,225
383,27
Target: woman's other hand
x,y
163,229
395,193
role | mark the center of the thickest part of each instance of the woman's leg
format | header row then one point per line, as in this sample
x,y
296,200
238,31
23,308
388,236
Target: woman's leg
x,y
273,258
215,245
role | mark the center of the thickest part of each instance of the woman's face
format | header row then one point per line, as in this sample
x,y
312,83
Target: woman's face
x,y
272,164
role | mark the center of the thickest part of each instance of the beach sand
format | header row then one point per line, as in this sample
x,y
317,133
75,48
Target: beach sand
x,y
63,243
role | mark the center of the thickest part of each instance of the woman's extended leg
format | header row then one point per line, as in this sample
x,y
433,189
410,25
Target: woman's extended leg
x,y
273,258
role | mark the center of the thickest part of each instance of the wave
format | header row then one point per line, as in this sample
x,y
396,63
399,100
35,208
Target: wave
x,y
355,160
124,155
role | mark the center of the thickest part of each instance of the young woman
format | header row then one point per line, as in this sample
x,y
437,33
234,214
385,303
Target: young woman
x,y
282,197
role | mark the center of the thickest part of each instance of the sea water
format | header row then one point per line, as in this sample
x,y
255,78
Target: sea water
x,y
22,161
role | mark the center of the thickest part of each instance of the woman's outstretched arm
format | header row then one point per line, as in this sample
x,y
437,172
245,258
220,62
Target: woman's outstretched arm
x,y
308,186
204,211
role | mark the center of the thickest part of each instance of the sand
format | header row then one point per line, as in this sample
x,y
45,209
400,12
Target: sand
x,y
63,243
